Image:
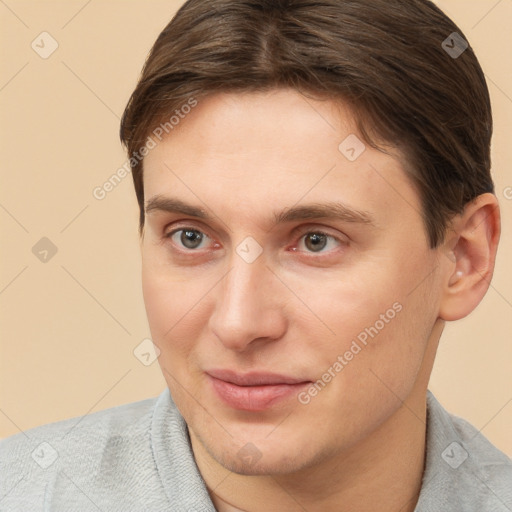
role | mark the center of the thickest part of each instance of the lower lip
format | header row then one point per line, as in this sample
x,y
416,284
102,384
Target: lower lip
x,y
254,398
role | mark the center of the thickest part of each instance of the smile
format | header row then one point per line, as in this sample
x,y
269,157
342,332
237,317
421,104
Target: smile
x,y
254,391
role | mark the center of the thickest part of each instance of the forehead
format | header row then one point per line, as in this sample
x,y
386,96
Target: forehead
x,y
272,121
254,151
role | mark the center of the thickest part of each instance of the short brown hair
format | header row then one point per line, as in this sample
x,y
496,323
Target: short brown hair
x,y
385,58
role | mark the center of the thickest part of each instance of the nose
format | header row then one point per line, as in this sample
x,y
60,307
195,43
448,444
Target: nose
x,y
247,306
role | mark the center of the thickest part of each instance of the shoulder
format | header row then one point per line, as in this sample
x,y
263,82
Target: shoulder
x,y
484,459
463,468
60,454
94,428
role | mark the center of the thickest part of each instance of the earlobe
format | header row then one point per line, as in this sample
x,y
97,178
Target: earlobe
x,y
471,254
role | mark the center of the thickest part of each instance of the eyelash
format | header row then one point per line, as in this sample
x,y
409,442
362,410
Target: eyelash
x,y
302,234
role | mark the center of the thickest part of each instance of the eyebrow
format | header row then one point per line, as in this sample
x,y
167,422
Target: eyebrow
x,y
328,210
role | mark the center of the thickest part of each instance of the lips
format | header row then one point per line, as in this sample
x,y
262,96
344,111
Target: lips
x,y
255,391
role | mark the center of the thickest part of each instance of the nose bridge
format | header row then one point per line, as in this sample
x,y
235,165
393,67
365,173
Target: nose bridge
x,y
241,293
245,308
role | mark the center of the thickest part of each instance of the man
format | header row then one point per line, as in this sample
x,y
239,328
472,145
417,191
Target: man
x,y
315,203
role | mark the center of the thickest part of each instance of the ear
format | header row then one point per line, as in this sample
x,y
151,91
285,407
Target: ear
x,y
469,256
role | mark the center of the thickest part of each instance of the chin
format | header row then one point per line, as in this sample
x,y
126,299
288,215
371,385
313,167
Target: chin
x,y
262,458
268,466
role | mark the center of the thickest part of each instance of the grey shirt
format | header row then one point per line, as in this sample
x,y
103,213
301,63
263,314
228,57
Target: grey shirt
x,y
137,457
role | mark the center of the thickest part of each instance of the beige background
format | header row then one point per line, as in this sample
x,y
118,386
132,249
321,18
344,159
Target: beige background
x,y
70,325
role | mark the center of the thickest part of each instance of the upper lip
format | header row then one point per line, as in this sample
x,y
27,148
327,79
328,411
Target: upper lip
x,y
254,378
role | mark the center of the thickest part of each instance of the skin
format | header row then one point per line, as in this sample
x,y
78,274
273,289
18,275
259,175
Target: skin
x,y
360,441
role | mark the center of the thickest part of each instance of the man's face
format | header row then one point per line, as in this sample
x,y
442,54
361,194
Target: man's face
x,y
284,341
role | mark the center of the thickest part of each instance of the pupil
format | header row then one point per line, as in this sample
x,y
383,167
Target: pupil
x,y
189,239
317,240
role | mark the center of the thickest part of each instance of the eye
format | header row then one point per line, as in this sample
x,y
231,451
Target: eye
x,y
188,238
317,241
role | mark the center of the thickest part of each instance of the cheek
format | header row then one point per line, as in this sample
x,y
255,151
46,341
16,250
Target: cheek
x,y
173,325
176,307
159,302
396,353
381,318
